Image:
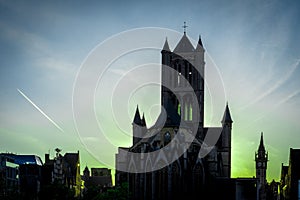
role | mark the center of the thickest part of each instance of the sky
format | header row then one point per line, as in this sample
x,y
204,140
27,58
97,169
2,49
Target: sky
x,y
252,50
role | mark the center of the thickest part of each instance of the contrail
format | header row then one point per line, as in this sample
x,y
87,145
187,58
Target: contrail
x,y
40,110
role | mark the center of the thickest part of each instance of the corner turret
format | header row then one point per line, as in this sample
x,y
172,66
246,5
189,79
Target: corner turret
x,y
199,46
166,46
137,126
227,117
137,117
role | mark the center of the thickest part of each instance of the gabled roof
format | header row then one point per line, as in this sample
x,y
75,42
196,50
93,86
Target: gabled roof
x,y
184,45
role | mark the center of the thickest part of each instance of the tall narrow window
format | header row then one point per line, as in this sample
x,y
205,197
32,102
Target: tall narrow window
x,y
191,112
185,111
179,109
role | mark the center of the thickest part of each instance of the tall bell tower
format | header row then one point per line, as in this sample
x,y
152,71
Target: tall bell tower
x,y
261,159
183,77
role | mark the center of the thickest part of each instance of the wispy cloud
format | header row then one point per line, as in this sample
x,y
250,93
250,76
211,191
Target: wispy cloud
x,y
292,95
280,82
38,49
120,72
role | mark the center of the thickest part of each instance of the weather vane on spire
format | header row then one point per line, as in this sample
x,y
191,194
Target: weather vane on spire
x,y
184,27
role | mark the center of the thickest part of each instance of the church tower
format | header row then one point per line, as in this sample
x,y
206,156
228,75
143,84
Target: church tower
x,y
183,74
261,159
225,146
171,164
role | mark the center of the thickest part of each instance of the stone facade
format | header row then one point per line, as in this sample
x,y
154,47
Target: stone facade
x,y
177,157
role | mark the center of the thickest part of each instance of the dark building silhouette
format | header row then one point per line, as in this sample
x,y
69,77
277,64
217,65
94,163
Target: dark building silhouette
x,y
63,170
100,177
273,189
283,181
30,180
261,160
290,177
245,189
9,175
20,175
178,157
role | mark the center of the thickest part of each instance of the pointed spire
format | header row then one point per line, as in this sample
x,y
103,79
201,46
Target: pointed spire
x,y
143,121
200,41
199,44
261,144
227,116
166,46
137,116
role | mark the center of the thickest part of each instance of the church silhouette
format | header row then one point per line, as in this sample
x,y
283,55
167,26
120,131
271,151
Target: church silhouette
x,y
177,157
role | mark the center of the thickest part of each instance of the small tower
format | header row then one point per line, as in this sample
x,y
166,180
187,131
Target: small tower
x,y
261,159
225,146
86,173
138,126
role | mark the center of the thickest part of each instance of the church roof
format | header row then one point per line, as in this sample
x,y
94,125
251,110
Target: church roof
x,y
227,116
184,45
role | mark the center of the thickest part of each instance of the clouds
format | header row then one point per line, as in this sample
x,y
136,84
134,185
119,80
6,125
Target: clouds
x,y
276,84
254,44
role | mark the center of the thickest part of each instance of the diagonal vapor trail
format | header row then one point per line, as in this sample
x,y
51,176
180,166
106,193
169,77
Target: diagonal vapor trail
x,y
40,110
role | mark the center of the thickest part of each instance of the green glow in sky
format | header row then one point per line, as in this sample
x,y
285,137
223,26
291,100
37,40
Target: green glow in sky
x,y
255,45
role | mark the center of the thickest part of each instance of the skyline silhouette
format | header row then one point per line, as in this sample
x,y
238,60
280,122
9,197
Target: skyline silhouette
x,y
254,48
